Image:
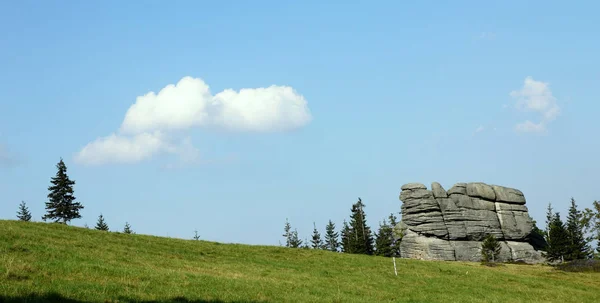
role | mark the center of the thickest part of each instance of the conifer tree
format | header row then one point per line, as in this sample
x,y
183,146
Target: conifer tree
x,y
61,205
396,236
316,241
346,247
331,237
360,238
577,248
23,214
287,233
196,235
549,219
490,249
127,229
383,240
101,224
295,241
557,239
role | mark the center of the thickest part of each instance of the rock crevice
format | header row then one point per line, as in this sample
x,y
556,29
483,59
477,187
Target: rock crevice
x,y
450,225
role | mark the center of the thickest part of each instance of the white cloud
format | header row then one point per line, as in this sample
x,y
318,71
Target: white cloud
x,y
530,127
535,96
188,104
480,129
123,149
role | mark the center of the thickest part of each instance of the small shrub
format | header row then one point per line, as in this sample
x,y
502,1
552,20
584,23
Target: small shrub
x,y
580,266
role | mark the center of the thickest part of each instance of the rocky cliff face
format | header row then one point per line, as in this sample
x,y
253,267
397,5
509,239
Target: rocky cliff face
x,y
450,225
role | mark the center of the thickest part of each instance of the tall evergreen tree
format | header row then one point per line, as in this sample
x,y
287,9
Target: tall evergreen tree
x,y
578,248
101,224
557,239
360,238
23,214
396,236
316,241
61,205
127,229
549,219
287,234
345,243
384,240
331,237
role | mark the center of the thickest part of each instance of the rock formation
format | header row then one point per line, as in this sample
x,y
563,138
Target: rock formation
x,y
450,225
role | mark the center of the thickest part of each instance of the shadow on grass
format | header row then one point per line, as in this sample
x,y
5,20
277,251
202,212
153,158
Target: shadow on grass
x,y
54,297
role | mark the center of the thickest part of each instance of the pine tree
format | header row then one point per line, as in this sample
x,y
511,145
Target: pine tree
x,y
549,219
61,205
331,237
578,248
295,241
127,229
396,236
383,240
557,239
360,238
316,241
490,249
196,235
23,214
345,243
287,233
101,224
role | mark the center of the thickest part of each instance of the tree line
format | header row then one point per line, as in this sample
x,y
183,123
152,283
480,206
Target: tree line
x,y
61,206
355,236
571,240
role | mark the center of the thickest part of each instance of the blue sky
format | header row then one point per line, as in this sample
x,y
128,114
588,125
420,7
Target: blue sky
x,y
285,110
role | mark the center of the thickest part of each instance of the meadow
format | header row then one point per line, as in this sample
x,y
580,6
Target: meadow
x,y
44,262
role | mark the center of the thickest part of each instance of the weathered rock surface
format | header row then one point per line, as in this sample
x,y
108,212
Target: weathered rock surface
x,y
450,225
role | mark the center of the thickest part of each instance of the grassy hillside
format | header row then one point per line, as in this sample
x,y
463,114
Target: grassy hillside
x,y
49,262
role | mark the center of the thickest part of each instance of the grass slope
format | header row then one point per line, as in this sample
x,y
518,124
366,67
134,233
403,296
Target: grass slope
x,y
42,262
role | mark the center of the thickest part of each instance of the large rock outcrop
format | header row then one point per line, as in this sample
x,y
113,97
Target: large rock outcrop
x,y
450,225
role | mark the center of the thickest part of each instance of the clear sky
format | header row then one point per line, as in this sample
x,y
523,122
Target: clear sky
x,y
230,116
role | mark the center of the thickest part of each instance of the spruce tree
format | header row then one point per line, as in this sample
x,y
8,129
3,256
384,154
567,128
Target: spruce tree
x,y
490,249
396,236
295,241
287,233
316,241
360,238
346,247
196,235
331,237
61,205
101,224
383,240
127,229
23,214
557,239
577,248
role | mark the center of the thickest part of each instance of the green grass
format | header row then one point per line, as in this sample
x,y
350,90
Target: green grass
x,y
42,262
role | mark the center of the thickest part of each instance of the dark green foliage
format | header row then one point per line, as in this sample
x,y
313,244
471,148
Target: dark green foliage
x,y
287,232
384,240
396,235
101,224
316,241
23,214
331,237
127,229
578,248
490,249
196,235
537,237
345,237
61,205
557,239
295,241
360,238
